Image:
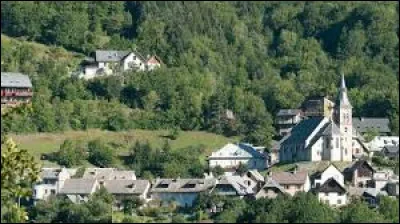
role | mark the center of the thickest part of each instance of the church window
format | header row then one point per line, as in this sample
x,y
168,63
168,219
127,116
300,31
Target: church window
x,y
337,142
345,129
345,152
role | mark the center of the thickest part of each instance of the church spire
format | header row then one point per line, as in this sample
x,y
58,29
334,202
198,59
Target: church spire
x,y
343,98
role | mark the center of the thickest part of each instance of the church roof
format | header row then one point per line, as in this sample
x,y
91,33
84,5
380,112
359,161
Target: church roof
x,y
331,128
303,130
343,99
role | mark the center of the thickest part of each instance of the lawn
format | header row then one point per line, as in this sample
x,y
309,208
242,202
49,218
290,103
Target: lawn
x,y
37,144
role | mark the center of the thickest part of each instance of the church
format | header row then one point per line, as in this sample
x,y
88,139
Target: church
x,y
329,138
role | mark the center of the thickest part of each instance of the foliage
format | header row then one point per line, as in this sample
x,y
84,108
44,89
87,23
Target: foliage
x,y
71,153
389,208
18,172
358,212
100,153
130,204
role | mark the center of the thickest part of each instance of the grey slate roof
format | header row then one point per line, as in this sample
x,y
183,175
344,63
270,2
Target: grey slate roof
x,y
331,128
183,185
302,131
363,124
15,80
237,183
288,112
49,173
78,186
110,56
392,148
108,174
136,187
299,177
271,183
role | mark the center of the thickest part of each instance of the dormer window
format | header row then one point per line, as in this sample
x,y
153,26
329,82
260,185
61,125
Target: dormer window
x,y
189,186
162,186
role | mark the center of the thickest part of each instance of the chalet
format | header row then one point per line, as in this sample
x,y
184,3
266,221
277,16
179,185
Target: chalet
x,y
232,155
379,142
391,151
16,88
182,191
319,178
122,189
372,196
360,174
51,180
79,190
153,62
364,124
286,119
332,193
317,106
292,182
271,190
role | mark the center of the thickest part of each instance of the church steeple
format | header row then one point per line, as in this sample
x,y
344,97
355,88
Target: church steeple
x,y
343,99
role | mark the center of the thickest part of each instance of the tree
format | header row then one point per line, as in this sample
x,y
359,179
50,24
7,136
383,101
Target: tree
x,y
18,172
370,134
130,204
389,208
218,171
71,153
100,153
358,212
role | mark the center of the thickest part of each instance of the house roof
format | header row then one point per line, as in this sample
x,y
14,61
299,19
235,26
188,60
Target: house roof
x,y
288,112
303,130
49,173
126,186
154,60
373,192
237,151
364,123
110,56
318,174
78,186
15,80
298,177
271,183
238,183
183,185
356,165
109,174
391,148
257,175
331,185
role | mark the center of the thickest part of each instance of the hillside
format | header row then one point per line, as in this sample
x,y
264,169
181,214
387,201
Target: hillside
x,y
38,144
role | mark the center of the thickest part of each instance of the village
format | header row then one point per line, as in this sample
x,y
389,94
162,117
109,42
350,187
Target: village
x,y
320,132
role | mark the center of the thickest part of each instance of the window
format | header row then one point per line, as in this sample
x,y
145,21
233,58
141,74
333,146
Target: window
x,y
45,191
53,192
345,129
337,142
326,194
286,187
339,202
317,185
298,187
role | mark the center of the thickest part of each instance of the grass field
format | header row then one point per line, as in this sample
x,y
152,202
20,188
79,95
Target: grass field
x,y
37,144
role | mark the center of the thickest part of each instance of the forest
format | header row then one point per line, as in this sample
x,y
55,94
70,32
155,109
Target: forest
x,y
253,58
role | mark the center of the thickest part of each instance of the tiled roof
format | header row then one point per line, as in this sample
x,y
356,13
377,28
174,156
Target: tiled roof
x,y
78,186
303,130
365,123
126,186
299,177
16,80
183,185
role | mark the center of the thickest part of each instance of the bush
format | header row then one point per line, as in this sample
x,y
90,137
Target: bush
x,y
100,154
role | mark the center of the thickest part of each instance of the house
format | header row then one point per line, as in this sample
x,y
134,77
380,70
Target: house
x,y
122,189
391,151
270,190
317,106
51,180
382,177
286,119
322,137
379,142
108,174
182,191
392,188
372,196
16,89
360,149
236,186
332,193
292,182
153,62
79,190
108,62
364,124
319,178
360,174
232,155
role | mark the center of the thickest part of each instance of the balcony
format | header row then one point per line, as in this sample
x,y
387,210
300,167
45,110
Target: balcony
x,y
21,94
